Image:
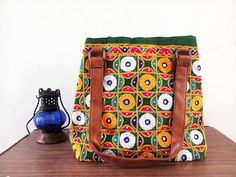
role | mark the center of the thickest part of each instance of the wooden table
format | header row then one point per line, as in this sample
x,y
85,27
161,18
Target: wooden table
x,y
27,158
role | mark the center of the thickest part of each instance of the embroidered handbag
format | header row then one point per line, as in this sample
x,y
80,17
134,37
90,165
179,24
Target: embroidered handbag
x,y
139,101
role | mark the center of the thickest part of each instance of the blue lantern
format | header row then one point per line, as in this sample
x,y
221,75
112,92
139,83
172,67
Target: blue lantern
x,y
49,118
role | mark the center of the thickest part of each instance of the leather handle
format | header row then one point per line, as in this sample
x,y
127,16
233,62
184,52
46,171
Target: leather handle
x,y
97,67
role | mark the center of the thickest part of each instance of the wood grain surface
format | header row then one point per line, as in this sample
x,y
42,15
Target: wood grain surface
x,y
28,158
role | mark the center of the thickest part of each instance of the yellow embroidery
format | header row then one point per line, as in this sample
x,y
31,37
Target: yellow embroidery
x,y
147,82
126,102
165,65
196,103
109,120
148,155
79,84
77,149
164,139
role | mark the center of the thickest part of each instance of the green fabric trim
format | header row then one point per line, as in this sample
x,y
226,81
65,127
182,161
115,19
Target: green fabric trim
x,y
177,40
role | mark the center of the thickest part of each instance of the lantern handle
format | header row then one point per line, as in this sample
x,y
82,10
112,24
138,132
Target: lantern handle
x,y
65,111
27,124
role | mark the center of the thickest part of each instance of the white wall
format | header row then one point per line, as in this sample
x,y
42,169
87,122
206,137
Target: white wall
x,y
41,45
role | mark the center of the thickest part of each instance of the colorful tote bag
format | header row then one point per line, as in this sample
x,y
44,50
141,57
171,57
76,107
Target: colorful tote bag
x,y
139,101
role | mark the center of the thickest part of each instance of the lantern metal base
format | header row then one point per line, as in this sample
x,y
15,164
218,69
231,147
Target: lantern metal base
x,y
51,138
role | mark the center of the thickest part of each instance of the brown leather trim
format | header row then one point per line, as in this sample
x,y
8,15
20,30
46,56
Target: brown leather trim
x,y
96,106
183,59
96,81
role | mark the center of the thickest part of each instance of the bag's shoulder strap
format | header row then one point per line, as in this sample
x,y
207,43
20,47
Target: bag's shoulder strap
x,y
97,68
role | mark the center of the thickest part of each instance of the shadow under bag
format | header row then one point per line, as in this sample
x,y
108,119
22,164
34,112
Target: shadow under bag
x,y
138,101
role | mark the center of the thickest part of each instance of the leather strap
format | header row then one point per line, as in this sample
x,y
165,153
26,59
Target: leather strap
x,y
97,67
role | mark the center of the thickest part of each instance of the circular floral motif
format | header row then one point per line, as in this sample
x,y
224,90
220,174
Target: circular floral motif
x,y
126,102
128,64
109,82
147,82
196,137
127,140
147,155
164,139
165,102
184,155
78,118
196,67
87,100
147,121
109,120
109,152
165,65
79,84
196,103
